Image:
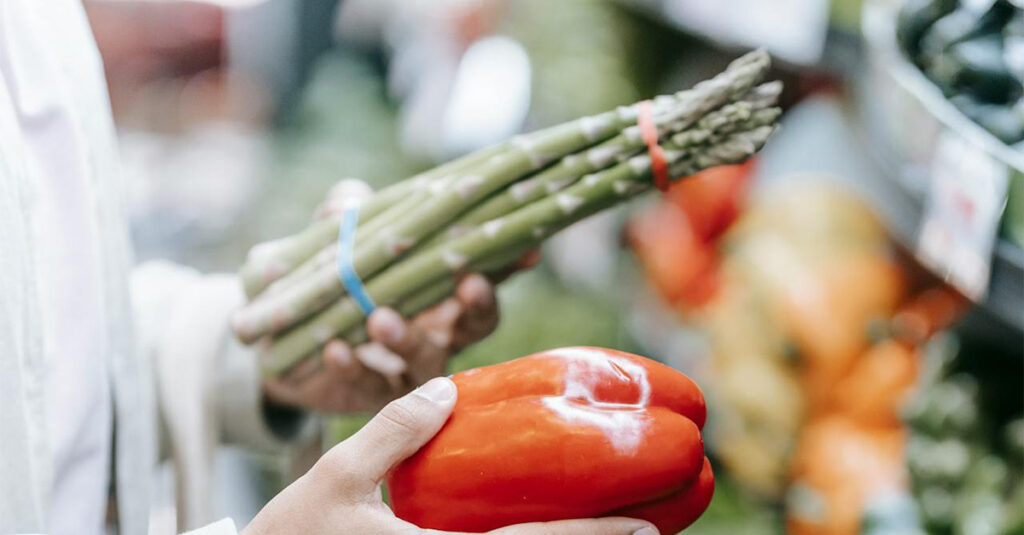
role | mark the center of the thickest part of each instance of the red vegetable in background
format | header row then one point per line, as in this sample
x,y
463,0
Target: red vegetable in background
x,y
712,199
567,433
675,239
682,268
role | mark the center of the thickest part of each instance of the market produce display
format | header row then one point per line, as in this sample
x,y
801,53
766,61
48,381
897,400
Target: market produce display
x,y
789,298
566,433
971,51
825,394
833,494
481,212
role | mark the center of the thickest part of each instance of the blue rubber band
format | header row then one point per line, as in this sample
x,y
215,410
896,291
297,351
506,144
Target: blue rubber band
x,y
346,271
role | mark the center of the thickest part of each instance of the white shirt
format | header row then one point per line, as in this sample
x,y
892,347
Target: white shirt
x,y
78,350
77,384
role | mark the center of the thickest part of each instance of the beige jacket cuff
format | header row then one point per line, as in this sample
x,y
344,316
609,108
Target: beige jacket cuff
x,y
208,385
244,417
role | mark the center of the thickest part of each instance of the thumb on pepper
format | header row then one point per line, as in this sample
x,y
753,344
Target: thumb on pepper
x,y
396,432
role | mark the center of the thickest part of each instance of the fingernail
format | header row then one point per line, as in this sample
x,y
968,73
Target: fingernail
x,y
646,530
390,326
438,390
477,292
338,353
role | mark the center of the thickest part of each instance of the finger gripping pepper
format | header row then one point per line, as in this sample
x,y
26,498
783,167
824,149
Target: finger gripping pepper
x,y
568,433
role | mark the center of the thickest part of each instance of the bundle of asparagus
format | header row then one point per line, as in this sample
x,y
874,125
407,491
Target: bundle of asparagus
x,y
483,211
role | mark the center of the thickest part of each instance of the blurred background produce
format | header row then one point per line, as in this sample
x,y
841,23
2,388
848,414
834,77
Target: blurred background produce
x,y
964,448
852,302
969,51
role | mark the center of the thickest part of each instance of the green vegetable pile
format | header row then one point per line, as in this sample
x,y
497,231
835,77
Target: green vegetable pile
x,y
483,211
972,51
965,452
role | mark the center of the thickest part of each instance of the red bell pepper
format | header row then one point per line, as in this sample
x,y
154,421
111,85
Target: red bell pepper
x,y
567,433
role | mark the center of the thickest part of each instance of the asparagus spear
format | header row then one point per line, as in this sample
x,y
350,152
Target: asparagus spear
x,y
521,155
267,264
439,290
272,262
278,310
742,115
529,224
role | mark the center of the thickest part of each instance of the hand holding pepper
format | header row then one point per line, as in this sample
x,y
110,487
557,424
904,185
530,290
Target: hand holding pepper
x,y
341,493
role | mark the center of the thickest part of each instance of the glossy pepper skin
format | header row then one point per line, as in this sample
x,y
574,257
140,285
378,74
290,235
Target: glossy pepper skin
x,y
567,433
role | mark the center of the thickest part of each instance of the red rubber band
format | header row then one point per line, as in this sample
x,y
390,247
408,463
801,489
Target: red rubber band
x,y
649,133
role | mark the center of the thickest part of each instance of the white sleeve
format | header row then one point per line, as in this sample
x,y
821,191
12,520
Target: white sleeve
x,y
208,384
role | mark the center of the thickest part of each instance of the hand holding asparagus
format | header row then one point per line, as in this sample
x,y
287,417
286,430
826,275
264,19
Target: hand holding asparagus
x,y
483,211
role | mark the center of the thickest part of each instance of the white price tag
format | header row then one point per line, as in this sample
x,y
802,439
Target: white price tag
x,y
965,200
794,30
